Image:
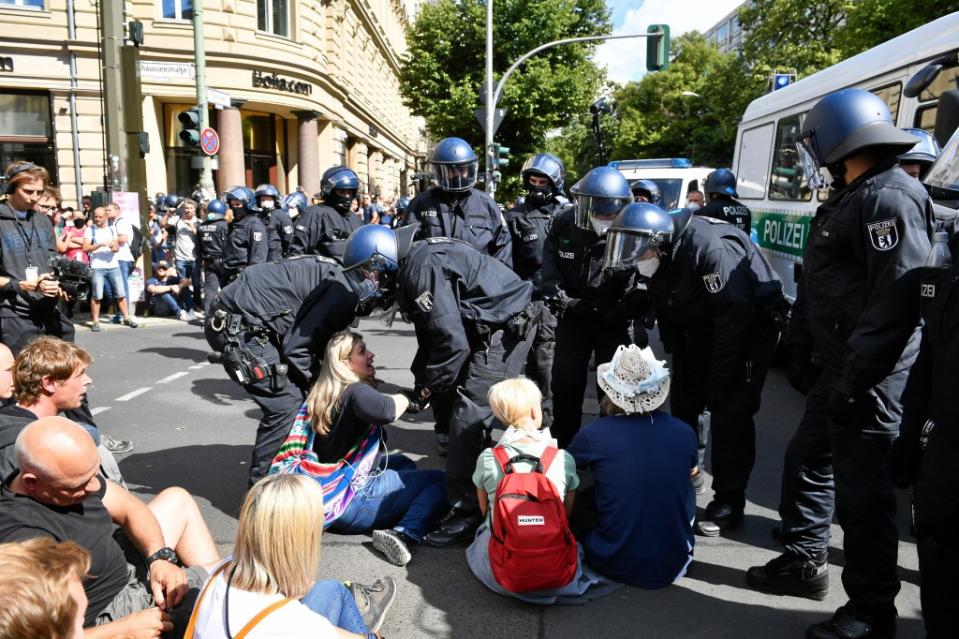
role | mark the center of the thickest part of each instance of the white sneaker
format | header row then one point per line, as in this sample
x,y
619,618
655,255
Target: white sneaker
x,y
191,316
184,316
393,547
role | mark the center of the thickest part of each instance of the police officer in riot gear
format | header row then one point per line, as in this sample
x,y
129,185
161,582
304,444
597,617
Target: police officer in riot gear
x,y
529,223
294,204
322,229
719,306
453,208
720,188
646,191
213,237
593,307
271,325
853,323
475,323
247,242
917,160
279,226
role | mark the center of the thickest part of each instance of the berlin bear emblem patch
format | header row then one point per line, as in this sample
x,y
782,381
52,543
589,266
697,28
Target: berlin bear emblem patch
x,y
425,301
884,235
713,282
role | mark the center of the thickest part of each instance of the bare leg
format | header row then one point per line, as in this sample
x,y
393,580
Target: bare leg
x,y
122,305
95,310
183,527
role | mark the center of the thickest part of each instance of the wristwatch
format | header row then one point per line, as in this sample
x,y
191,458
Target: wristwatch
x,y
166,553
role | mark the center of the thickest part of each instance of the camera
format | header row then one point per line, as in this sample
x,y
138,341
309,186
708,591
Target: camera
x,y
74,277
601,105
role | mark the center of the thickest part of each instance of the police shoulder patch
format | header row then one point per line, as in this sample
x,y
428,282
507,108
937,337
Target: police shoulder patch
x,y
288,230
884,234
714,282
257,236
425,301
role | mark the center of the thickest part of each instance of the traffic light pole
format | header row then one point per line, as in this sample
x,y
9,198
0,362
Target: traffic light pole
x,y
111,20
206,172
493,96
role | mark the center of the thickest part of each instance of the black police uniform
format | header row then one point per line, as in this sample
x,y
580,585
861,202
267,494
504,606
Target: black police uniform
x,y
929,465
323,230
594,309
280,315
24,243
853,316
247,244
716,300
213,238
473,320
279,228
528,228
471,216
727,209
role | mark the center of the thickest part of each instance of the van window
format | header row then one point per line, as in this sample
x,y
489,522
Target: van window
x,y
926,118
787,180
944,81
753,170
891,95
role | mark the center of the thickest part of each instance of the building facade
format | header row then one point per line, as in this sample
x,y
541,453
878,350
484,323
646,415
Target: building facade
x,y
296,86
727,34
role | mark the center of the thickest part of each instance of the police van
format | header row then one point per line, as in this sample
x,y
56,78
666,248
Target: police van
x,y
770,178
675,177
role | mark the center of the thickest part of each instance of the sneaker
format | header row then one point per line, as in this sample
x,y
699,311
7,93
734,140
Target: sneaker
x,y
116,446
132,323
698,481
790,574
183,316
395,546
95,327
116,319
191,316
374,600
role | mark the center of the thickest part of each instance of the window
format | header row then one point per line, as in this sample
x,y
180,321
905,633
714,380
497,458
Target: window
x,y
178,9
736,27
722,34
890,95
259,147
926,118
787,180
273,16
36,5
753,169
26,132
945,80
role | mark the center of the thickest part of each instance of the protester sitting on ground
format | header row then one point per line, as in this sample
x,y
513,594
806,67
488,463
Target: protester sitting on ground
x,y
526,450
167,293
59,493
41,592
636,527
269,586
338,438
50,377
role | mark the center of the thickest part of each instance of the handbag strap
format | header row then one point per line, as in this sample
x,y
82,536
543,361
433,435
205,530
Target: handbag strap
x,y
273,607
250,625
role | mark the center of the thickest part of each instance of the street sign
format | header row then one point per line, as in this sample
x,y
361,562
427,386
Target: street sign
x,y
209,141
498,115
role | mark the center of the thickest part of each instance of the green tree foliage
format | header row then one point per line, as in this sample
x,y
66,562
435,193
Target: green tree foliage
x,y
445,65
872,22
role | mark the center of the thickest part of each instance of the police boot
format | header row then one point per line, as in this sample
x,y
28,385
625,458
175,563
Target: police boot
x,y
847,624
718,517
456,528
790,574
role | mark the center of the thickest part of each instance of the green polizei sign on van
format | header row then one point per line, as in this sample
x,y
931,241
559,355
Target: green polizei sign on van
x,y
782,232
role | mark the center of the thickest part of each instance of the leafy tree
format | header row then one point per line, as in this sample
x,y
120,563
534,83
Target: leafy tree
x,y
872,22
444,68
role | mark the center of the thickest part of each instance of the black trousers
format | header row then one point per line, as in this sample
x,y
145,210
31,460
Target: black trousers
x,y
211,286
829,467
16,332
578,337
440,402
938,566
279,400
732,424
472,419
539,362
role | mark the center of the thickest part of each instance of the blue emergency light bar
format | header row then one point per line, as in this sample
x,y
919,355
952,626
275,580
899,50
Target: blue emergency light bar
x,y
654,163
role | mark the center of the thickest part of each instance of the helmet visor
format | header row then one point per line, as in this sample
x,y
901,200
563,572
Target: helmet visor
x,y
943,175
455,177
624,249
589,207
809,163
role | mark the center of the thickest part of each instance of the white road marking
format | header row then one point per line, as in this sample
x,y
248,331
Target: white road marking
x,y
132,394
197,366
170,378
99,409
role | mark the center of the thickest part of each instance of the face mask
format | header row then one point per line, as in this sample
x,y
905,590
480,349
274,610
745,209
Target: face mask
x,y
600,226
692,206
648,268
267,204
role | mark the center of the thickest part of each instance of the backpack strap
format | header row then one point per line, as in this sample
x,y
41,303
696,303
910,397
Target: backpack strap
x,y
260,617
502,459
549,454
191,626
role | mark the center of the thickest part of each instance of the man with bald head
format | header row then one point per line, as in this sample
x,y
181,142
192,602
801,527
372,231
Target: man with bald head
x,y
58,492
6,373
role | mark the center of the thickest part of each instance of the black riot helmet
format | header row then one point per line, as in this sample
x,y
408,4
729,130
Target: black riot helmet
x,y
842,124
645,189
546,165
924,154
454,165
639,228
339,178
721,181
598,197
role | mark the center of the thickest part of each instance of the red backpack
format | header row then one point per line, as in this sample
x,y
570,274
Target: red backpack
x,y
531,546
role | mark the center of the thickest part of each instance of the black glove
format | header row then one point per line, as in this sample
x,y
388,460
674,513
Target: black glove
x,y
841,408
561,302
800,371
418,398
903,461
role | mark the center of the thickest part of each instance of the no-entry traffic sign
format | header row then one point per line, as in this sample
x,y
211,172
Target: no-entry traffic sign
x,y
209,141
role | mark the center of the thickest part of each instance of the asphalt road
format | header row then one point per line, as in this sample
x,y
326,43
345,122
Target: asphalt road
x,y
194,427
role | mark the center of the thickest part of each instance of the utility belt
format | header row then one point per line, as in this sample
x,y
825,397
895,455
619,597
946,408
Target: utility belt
x,y
519,326
243,364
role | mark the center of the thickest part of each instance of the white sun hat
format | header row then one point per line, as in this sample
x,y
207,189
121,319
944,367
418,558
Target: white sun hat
x,y
634,380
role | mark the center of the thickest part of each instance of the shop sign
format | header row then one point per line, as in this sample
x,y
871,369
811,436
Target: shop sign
x,y
167,71
273,81
6,64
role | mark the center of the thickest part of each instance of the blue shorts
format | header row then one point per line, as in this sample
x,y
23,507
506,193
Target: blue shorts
x,y
101,274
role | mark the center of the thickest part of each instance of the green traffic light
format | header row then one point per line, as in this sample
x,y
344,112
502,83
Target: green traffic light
x,y
190,121
657,47
190,137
